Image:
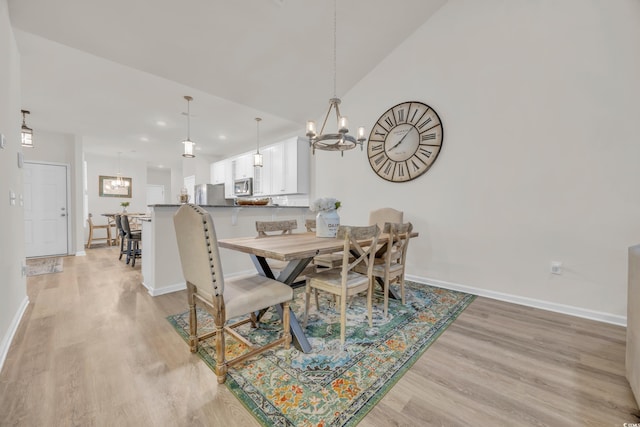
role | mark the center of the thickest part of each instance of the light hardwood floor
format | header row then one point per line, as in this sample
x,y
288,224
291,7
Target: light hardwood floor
x,y
94,349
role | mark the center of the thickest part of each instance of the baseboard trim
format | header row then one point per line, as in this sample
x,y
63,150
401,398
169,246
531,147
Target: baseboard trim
x,y
529,302
13,328
166,289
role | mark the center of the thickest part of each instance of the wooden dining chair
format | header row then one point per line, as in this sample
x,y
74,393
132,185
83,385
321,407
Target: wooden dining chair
x,y
269,228
333,260
277,228
346,281
390,267
93,227
223,298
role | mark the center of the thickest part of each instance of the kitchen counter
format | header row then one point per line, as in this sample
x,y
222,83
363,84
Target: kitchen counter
x,y
161,269
236,206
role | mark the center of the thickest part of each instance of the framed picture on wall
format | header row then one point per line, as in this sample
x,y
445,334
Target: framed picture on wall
x,y
114,186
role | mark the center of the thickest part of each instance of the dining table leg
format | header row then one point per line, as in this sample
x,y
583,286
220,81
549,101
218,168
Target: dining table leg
x,y
287,275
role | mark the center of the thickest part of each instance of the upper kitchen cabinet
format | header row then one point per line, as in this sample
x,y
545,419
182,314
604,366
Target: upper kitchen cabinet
x,y
218,172
289,166
242,166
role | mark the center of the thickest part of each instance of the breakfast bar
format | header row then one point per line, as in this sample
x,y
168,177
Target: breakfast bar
x,y
161,270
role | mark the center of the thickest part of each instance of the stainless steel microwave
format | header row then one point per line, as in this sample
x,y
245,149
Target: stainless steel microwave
x,y
243,187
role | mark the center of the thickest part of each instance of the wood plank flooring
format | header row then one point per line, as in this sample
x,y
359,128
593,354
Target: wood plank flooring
x,y
94,349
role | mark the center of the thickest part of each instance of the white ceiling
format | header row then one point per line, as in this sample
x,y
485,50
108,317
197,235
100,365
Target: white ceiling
x,y
110,70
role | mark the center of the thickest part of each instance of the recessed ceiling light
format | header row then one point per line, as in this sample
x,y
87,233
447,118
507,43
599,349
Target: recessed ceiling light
x,y
144,139
222,137
161,123
160,166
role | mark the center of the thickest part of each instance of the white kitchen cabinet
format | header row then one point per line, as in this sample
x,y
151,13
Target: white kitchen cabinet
x,y
290,167
242,166
218,172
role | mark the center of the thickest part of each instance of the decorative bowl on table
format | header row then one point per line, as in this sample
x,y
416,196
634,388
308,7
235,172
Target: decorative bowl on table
x,y
253,201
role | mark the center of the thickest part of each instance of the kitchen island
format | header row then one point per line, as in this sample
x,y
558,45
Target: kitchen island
x,y
161,270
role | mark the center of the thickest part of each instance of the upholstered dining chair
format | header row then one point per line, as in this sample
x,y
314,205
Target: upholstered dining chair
x,y
390,266
384,215
346,282
93,227
223,298
134,238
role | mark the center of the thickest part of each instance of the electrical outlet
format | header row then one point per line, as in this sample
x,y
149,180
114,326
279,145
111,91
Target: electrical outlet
x,y
556,267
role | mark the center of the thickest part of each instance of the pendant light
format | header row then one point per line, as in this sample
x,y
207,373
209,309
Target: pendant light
x,y
257,158
341,140
188,144
27,132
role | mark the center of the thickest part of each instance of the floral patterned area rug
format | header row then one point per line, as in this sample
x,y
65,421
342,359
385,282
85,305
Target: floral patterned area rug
x,y
331,385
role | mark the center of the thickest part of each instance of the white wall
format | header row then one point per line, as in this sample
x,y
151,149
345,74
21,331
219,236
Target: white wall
x,y
13,295
539,102
161,177
98,165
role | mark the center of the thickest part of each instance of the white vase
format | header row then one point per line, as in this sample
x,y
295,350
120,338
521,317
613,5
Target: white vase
x,y
327,223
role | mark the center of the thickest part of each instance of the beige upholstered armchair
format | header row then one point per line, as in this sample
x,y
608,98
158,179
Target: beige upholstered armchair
x,y
223,299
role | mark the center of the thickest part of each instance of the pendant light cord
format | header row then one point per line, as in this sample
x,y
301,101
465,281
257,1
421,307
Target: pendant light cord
x,y
334,47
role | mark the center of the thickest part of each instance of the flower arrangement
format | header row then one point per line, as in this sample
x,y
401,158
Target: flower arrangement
x,y
124,204
325,204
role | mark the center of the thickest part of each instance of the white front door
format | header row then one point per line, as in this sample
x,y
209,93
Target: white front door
x,y
45,209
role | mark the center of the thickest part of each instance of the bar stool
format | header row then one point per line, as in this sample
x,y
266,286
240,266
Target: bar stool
x,y
133,241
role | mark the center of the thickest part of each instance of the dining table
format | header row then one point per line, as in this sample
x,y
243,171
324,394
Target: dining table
x,y
298,250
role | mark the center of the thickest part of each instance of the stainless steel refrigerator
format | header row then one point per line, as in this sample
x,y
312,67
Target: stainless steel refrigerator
x,y
210,194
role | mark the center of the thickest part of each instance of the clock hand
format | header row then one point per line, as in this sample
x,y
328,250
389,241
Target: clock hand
x,y
401,139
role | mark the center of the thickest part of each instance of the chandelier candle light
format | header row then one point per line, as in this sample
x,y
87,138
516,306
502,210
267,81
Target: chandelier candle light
x,y
188,144
327,219
341,140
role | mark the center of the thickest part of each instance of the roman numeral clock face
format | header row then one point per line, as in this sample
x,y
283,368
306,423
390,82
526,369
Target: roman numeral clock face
x,y
405,142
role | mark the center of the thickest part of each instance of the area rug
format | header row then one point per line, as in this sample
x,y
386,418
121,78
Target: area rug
x,y
37,266
331,385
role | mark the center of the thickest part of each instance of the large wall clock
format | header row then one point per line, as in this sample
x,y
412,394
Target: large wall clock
x,y
405,141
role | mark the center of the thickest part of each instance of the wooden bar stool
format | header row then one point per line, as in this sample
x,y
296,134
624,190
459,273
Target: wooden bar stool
x,y
93,227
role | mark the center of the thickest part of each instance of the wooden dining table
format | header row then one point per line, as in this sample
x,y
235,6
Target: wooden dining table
x,y
298,249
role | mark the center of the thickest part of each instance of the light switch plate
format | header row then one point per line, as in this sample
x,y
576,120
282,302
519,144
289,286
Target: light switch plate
x,y
3,140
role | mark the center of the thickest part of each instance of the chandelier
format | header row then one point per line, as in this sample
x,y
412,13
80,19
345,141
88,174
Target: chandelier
x,y
257,158
188,144
119,182
27,132
339,140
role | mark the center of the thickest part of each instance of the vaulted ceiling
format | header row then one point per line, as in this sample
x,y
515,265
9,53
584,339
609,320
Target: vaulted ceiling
x,y
116,72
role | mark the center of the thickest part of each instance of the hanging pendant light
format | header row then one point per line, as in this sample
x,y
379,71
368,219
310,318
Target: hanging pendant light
x,y
257,158
188,144
340,140
27,132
